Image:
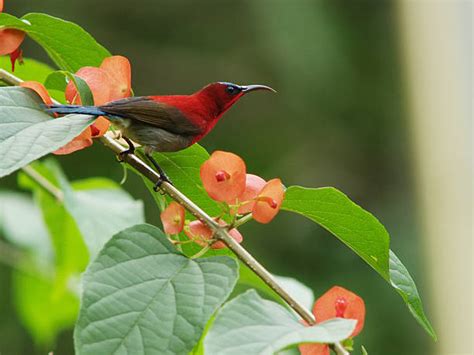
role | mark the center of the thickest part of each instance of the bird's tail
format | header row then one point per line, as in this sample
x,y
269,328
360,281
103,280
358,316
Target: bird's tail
x,y
68,109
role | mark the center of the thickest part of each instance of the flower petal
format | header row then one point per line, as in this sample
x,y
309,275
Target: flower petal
x,y
200,233
173,218
329,305
223,176
1,5
99,82
10,40
39,89
82,141
314,349
268,201
120,72
253,185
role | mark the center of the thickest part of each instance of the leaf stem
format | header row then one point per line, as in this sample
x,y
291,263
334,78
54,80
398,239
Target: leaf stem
x,y
220,232
44,183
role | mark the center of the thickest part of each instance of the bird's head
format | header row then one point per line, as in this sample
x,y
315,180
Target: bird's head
x,y
220,96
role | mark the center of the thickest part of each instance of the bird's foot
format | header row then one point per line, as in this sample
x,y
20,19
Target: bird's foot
x,y
163,178
122,155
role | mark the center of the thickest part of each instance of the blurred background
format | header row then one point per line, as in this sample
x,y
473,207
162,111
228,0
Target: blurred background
x,y
374,98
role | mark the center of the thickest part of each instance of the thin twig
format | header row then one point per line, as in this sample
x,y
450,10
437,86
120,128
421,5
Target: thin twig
x,y
220,232
43,182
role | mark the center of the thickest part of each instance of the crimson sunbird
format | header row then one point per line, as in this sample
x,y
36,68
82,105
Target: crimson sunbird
x,y
166,123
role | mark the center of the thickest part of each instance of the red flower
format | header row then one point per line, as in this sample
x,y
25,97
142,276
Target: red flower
x,y
336,303
253,185
112,81
223,176
173,218
268,201
10,41
200,233
39,89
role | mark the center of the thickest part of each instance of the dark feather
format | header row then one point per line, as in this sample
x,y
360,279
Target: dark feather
x,y
154,113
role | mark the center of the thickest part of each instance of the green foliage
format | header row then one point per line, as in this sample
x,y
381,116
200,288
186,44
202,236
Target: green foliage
x,y
142,296
401,280
68,45
29,130
43,312
100,207
251,325
30,70
355,227
362,232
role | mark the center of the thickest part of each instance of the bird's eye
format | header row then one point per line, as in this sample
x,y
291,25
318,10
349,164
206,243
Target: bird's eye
x,y
232,90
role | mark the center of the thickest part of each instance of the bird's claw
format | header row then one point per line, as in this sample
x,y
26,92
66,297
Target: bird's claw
x,y
163,178
121,156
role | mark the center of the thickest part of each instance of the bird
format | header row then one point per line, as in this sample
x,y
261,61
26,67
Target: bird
x,y
166,123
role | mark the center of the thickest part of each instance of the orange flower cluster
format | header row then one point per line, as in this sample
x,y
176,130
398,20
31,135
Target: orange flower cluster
x,y
336,303
225,179
10,41
111,81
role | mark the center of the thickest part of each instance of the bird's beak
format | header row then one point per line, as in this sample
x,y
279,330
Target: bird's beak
x,y
248,88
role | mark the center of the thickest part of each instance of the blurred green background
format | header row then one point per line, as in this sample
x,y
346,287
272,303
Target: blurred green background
x,y
339,119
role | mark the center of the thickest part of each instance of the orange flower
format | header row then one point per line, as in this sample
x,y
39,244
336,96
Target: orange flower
x,y
10,41
173,218
223,176
200,233
39,89
336,303
268,202
253,185
112,81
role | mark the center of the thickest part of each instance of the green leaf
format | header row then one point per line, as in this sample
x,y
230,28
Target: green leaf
x,y
363,350
401,280
251,325
27,132
100,207
183,169
22,225
68,45
363,233
248,279
56,81
352,225
142,296
30,70
43,312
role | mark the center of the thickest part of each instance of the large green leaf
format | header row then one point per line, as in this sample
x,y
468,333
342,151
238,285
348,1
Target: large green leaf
x,y
27,132
363,233
183,169
251,325
401,280
68,45
71,255
352,225
100,207
21,224
142,296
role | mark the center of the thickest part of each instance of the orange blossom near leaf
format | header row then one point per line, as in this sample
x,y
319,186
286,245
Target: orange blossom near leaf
x,y
111,81
336,303
173,218
223,176
39,89
200,233
253,185
10,41
268,202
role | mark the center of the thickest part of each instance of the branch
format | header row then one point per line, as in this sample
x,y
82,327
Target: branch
x,y
220,232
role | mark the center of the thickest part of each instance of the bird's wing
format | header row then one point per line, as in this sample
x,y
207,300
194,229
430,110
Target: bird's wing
x,y
154,113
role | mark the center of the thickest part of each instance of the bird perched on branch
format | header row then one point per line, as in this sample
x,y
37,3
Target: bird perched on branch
x,y
166,123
